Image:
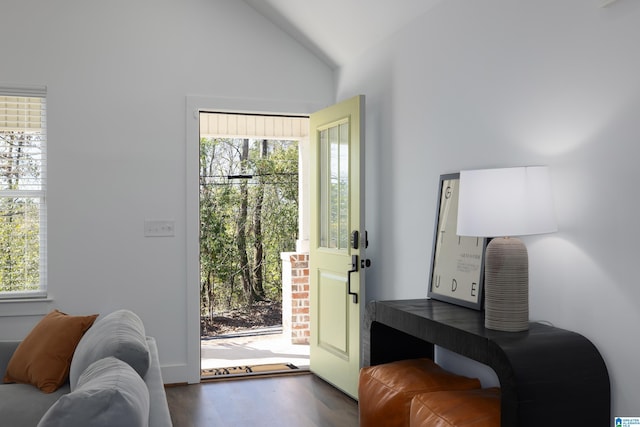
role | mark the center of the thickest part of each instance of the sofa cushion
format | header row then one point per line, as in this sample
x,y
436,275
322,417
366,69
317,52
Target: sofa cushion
x,y
120,334
24,405
108,393
43,358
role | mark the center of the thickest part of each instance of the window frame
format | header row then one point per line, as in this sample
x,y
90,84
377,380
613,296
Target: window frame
x,y
40,194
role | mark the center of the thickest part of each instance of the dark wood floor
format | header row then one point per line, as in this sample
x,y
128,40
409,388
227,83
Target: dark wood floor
x,y
286,400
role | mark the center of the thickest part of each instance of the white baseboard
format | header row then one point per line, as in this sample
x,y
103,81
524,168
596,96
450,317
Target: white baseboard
x,y
174,374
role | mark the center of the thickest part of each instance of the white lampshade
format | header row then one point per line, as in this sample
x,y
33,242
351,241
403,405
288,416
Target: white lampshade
x,y
505,202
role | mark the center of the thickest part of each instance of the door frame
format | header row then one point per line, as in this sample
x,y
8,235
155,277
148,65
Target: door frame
x,y
195,105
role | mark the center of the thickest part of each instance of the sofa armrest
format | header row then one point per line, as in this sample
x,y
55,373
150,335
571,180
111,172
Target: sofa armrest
x,y
7,348
159,415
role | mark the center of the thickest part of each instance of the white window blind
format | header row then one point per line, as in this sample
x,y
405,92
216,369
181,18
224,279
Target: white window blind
x,y
23,210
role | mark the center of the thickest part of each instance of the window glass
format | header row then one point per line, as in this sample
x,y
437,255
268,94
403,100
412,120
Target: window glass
x,y
22,192
334,186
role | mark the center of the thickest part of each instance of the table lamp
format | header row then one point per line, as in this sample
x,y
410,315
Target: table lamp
x,y
504,203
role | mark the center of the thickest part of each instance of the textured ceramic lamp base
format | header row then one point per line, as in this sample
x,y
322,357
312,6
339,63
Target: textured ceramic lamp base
x,y
506,285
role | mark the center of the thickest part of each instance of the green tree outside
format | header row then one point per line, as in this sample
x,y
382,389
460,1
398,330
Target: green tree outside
x,y
19,213
248,216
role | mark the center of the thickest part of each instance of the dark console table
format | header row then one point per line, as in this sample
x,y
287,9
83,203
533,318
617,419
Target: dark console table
x,y
548,376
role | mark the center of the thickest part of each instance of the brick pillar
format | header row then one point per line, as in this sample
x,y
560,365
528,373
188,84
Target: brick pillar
x,y
295,297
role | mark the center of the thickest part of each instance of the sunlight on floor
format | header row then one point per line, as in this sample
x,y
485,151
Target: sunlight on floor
x,y
252,350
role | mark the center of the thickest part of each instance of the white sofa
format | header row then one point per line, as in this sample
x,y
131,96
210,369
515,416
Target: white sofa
x,y
114,379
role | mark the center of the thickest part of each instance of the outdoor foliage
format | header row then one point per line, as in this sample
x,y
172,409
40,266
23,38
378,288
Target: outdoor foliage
x,y
248,216
19,212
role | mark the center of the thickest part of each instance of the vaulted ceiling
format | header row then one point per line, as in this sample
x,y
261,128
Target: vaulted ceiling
x,y
337,30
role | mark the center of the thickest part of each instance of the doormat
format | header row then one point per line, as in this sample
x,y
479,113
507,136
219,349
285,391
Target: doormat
x,y
249,370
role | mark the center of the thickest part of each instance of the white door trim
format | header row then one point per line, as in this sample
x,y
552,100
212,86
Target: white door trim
x,y
194,105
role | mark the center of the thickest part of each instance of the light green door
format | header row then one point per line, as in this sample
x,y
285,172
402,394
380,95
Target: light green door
x,y
337,242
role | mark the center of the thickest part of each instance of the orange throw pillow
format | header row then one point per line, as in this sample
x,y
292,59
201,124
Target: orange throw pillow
x,y
44,356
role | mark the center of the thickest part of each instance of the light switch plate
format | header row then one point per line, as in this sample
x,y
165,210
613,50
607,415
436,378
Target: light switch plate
x,y
159,228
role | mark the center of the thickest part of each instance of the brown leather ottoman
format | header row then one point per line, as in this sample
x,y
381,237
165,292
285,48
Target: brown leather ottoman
x,y
385,391
466,408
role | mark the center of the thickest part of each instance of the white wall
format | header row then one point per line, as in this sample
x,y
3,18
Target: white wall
x,y
469,85
118,74
502,83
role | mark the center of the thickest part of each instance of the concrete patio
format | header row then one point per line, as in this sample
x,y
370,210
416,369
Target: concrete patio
x,y
255,348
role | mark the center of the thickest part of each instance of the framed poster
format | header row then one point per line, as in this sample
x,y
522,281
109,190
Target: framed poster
x,y
457,264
